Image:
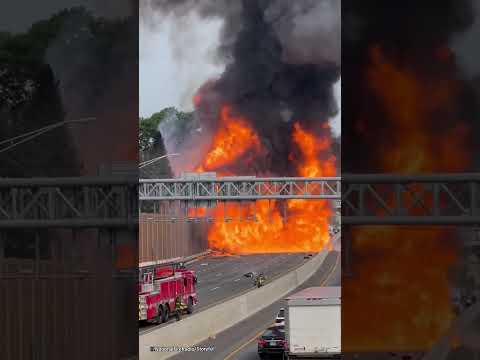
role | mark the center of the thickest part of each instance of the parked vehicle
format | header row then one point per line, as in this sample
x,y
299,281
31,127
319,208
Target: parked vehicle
x,y
161,288
313,324
272,342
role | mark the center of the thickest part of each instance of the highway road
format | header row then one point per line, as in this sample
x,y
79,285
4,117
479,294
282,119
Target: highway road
x,y
221,277
240,341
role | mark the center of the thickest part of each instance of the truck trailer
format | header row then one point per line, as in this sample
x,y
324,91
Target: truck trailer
x,y
313,324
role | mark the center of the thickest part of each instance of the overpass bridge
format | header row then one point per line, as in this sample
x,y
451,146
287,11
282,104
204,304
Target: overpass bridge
x,y
375,199
97,202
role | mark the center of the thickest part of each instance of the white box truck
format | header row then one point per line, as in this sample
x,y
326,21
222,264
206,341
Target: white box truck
x,y
313,324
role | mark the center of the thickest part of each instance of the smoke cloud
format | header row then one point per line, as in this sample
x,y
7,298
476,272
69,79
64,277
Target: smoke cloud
x,y
281,61
96,80
185,138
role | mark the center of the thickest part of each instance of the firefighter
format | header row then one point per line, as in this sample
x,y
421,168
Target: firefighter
x,y
260,280
179,308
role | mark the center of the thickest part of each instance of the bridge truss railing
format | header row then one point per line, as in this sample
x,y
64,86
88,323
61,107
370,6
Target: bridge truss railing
x,y
68,202
239,189
374,199
449,199
441,199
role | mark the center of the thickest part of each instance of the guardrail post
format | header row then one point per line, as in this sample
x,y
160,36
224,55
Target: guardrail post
x,y
398,199
14,193
473,199
436,200
361,200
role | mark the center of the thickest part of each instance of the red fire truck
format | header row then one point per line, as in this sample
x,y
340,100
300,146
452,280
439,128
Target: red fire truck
x,y
159,288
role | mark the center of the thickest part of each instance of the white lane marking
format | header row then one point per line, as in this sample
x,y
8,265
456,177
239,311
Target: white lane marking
x,y
215,288
220,274
236,280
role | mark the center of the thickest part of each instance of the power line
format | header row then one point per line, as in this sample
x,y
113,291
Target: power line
x,y
35,133
151,161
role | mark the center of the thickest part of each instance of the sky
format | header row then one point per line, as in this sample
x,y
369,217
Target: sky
x,y
170,76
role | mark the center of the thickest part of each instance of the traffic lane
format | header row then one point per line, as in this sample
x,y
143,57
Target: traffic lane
x,y
239,341
219,280
250,352
212,270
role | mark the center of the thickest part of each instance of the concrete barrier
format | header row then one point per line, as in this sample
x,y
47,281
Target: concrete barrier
x,y
209,322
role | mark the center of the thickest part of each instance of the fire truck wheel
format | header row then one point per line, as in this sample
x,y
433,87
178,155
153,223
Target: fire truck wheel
x,y
190,305
159,318
166,314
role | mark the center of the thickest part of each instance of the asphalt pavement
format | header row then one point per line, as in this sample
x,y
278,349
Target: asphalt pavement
x,y
240,341
222,277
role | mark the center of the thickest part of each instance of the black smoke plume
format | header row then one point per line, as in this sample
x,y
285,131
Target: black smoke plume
x,y
281,61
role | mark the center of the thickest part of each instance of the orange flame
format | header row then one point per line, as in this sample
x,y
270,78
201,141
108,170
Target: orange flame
x,y
232,141
392,267
406,270
311,149
415,104
292,226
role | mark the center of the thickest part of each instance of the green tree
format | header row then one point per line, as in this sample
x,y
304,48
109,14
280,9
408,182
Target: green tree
x,y
148,128
149,135
88,54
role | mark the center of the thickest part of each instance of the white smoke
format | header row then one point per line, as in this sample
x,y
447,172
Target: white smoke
x,y
336,122
191,142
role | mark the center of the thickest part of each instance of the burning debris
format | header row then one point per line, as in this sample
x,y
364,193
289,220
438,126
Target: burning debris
x,y
267,115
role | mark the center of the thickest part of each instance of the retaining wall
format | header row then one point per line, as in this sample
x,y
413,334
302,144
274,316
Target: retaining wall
x,y
160,238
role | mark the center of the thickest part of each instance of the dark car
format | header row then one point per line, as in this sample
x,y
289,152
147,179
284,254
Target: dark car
x,y
272,342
